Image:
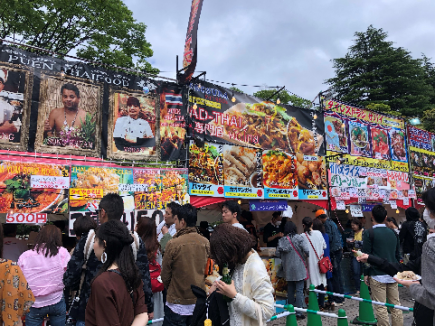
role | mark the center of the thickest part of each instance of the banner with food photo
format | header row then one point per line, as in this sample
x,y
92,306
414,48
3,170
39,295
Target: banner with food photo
x,y
359,137
421,185
206,169
398,145
219,114
89,184
312,177
69,116
33,187
242,172
336,132
16,82
147,189
380,146
172,122
175,184
279,175
132,125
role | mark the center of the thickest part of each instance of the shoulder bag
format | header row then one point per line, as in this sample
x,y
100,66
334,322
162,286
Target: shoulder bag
x,y
325,264
303,261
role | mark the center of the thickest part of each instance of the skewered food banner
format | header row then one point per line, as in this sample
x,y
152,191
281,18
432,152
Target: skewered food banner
x,y
244,147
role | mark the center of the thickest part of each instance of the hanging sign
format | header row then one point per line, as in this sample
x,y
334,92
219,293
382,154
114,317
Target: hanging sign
x,y
355,211
267,205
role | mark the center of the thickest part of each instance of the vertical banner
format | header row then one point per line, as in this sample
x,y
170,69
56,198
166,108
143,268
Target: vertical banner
x,y
132,126
242,172
16,85
174,183
149,189
69,115
191,43
172,123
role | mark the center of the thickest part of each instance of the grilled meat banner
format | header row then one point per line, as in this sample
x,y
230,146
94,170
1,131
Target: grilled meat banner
x,y
252,122
30,187
53,105
172,123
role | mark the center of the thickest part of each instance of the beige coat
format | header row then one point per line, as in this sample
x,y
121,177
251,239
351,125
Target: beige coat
x,y
257,296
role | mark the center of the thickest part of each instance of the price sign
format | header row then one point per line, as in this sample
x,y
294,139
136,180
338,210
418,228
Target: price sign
x,y
362,200
49,182
311,158
133,187
26,218
356,211
405,201
353,192
361,193
340,205
393,204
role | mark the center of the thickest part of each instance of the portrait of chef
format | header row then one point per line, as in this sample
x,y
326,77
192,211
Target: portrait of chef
x,y
131,131
6,109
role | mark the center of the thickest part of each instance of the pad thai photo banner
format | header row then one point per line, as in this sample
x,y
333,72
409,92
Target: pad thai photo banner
x,y
253,122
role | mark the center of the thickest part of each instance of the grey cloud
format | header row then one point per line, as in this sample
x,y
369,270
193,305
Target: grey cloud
x,y
279,42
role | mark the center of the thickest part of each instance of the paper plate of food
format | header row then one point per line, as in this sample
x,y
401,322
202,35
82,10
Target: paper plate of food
x,y
408,276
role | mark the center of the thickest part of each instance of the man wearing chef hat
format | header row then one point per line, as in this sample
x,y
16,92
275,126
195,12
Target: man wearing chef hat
x,y
6,110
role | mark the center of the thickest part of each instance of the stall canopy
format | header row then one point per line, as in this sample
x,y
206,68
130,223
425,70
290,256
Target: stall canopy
x,y
201,201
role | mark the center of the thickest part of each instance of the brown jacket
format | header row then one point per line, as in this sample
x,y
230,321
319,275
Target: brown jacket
x,y
184,264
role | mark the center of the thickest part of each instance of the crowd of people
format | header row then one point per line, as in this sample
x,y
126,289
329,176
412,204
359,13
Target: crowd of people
x,y
117,277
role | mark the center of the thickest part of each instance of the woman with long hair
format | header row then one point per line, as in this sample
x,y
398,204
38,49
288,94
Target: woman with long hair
x,y
317,245
15,294
117,296
146,228
250,290
43,268
293,250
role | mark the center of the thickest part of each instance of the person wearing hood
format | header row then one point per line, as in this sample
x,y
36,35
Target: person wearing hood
x,y
293,250
272,231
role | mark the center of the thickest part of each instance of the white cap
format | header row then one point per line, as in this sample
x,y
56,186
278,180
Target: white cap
x,y
3,75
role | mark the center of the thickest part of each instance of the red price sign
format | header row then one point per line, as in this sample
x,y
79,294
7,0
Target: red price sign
x,y
26,218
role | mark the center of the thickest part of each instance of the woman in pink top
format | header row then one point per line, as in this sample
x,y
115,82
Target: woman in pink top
x,y
43,268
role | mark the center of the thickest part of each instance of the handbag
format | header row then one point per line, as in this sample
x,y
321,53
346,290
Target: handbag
x,y
156,279
303,261
325,264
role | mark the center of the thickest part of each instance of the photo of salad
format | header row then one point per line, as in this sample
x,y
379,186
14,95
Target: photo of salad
x,y
380,147
398,145
359,139
205,164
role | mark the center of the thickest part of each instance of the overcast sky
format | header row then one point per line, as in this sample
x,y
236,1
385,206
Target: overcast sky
x,y
279,42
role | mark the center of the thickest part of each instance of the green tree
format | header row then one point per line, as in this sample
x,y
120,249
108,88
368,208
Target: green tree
x,y
284,97
373,71
235,89
383,108
99,30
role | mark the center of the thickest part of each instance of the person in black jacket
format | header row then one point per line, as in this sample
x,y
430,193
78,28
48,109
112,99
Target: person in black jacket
x,y
111,207
406,234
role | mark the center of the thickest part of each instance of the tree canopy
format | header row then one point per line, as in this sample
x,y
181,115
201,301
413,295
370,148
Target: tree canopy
x,y
375,72
99,30
284,97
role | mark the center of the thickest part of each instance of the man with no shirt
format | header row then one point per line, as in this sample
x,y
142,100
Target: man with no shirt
x,y
69,117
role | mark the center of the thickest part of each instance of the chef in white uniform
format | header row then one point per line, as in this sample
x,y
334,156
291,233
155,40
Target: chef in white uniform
x,y
131,127
6,110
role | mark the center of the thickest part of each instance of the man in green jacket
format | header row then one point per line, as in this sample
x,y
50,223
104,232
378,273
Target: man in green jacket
x,y
382,242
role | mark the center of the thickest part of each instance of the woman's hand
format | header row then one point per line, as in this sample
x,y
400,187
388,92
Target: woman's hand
x,y
405,283
212,288
228,290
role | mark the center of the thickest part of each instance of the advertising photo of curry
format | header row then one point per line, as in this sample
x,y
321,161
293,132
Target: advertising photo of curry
x,y
17,196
